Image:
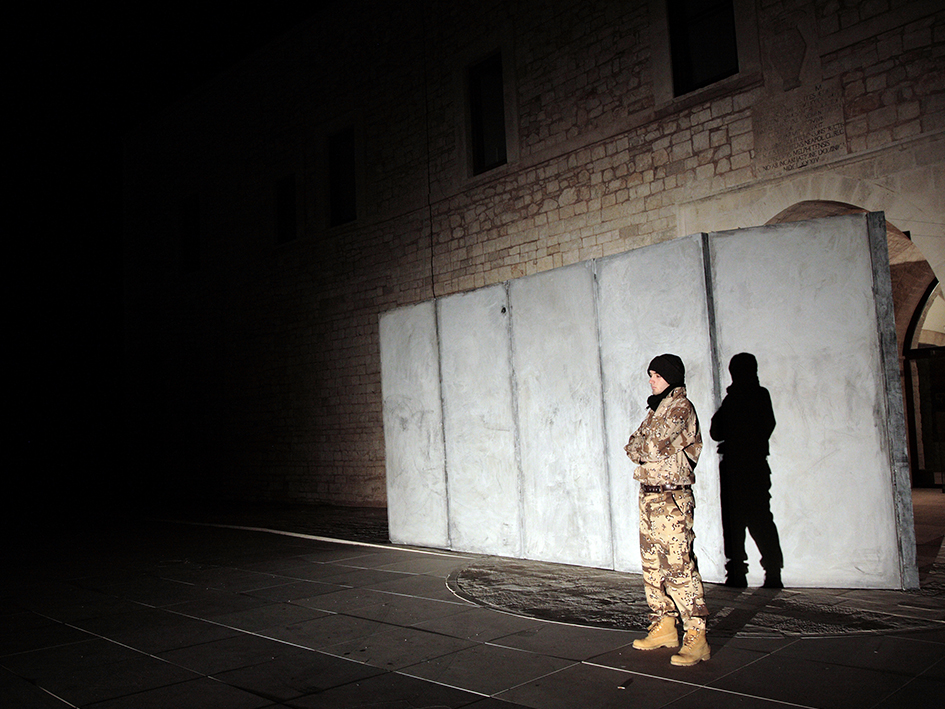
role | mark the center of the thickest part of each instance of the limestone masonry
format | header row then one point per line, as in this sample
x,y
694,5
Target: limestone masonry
x,y
253,301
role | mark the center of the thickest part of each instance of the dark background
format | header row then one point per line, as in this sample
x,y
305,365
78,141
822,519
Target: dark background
x,y
83,78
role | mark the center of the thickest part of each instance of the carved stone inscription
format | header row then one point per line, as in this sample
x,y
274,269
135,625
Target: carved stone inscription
x,y
799,129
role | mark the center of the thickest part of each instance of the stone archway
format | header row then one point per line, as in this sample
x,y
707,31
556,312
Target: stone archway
x,y
910,199
913,284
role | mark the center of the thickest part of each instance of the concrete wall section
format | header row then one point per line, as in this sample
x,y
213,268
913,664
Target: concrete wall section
x,y
653,300
479,421
555,355
413,427
895,418
799,297
536,384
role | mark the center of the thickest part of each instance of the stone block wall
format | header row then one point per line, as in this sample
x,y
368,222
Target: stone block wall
x,y
258,375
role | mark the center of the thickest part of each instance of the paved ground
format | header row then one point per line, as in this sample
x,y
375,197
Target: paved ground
x,y
171,614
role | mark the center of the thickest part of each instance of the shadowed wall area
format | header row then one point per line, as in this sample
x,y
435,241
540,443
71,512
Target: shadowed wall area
x,y
742,426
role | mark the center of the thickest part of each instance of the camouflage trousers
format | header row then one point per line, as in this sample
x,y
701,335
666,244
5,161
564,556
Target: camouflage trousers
x,y
671,581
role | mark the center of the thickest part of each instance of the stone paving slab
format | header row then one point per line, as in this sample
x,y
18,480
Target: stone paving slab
x,y
80,625
609,599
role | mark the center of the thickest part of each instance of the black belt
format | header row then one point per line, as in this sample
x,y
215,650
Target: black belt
x,y
663,488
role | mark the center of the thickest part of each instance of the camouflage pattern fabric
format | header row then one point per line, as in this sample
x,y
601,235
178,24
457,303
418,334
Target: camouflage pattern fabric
x,y
671,581
665,442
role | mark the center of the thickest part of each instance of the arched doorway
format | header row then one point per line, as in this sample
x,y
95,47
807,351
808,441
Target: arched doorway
x,y
920,335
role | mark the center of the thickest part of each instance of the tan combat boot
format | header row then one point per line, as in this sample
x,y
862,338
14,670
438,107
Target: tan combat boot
x,y
694,649
662,634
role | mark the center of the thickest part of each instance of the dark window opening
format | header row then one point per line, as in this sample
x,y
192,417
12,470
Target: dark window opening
x,y
702,42
285,209
487,114
189,234
342,182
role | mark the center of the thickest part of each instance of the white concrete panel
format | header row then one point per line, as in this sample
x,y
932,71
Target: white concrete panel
x,y
652,301
522,454
555,355
799,297
413,427
479,420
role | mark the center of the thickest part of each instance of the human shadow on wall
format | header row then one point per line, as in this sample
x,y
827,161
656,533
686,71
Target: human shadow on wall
x,y
742,426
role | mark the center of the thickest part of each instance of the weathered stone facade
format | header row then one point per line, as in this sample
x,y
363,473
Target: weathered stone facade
x,y
257,374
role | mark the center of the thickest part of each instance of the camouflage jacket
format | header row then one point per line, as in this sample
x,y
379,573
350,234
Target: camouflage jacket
x,y
662,443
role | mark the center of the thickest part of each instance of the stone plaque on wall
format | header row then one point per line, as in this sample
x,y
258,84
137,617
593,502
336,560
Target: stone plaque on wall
x,y
798,129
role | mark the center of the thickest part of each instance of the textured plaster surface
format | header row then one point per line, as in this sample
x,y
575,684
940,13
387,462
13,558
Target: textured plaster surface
x,y
479,418
565,490
413,427
651,301
535,403
799,297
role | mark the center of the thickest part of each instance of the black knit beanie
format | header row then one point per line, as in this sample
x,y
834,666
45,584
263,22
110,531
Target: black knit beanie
x,y
671,368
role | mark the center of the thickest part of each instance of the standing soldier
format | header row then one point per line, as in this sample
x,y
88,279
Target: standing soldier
x,y
666,448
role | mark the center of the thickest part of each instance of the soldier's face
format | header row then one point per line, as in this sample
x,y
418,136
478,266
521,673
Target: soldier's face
x,y
657,383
